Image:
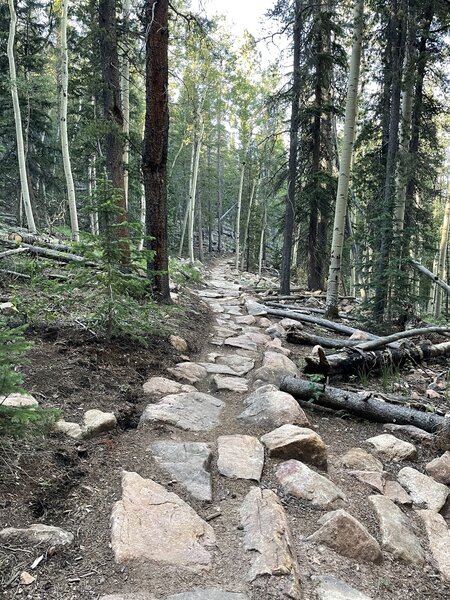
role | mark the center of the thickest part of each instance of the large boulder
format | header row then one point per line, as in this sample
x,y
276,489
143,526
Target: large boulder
x,y
392,448
422,489
301,443
439,468
268,407
275,367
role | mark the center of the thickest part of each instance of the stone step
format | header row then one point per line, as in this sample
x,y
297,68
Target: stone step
x,y
240,457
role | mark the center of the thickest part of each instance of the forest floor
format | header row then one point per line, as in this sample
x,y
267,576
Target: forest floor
x,y
75,484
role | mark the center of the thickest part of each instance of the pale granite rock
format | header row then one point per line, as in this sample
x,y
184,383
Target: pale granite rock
x,y
240,457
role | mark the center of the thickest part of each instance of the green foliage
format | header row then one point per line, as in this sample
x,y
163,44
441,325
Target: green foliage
x,y
17,422
182,272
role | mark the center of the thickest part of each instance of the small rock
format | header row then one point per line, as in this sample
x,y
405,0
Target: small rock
x,y
347,536
423,489
268,538
290,323
359,459
45,535
246,320
373,478
150,523
8,309
70,429
269,407
96,422
233,384
439,540
276,331
240,365
302,482
432,394
439,468
232,310
394,491
301,443
254,308
330,588
414,432
275,367
393,449
216,307
137,596
188,371
178,343
192,411
242,341
359,336
208,594
264,322
187,462
19,401
26,578
240,457
275,345
259,338
397,536
157,387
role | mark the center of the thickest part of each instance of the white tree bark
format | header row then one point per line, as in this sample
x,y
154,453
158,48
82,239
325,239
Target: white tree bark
x,y
261,240
193,194
247,223
238,215
125,85
18,121
345,162
63,125
186,212
442,258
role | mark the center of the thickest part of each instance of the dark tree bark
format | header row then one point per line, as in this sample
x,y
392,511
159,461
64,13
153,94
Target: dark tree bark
x,y
112,107
289,217
365,406
156,135
398,31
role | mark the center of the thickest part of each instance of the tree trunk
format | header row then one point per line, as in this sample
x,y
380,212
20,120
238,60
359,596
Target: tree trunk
x,y
289,215
193,193
219,175
125,81
188,203
337,245
261,239
63,125
237,233
154,159
18,121
362,405
431,276
247,222
442,259
113,115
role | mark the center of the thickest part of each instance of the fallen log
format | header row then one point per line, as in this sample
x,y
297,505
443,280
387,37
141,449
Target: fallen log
x,y
11,252
363,405
355,361
434,278
64,257
308,339
305,309
339,327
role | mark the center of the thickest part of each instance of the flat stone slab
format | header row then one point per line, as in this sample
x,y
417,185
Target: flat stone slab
x,y
246,320
192,411
233,310
19,401
392,448
275,367
394,491
360,460
347,536
188,372
241,341
300,443
239,364
413,432
330,588
208,594
397,536
240,457
374,479
232,384
439,468
439,540
254,308
128,597
423,489
152,524
268,538
188,463
218,369
157,387
300,481
44,535
268,407
275,345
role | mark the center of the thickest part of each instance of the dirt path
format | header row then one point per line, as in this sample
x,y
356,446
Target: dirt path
x,y
207,510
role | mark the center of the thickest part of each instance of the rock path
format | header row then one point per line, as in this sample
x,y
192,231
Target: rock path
x,y
236,454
